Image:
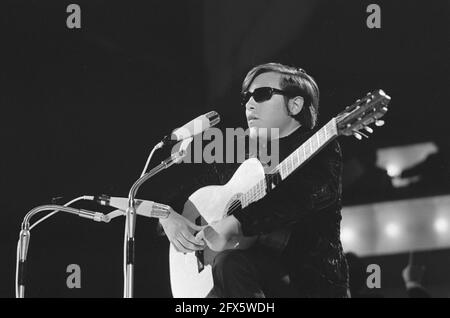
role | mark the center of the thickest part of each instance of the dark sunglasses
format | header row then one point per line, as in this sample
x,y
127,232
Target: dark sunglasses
x,y
261,94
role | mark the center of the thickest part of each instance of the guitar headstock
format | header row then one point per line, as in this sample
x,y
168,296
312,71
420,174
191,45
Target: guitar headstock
x,y
362,113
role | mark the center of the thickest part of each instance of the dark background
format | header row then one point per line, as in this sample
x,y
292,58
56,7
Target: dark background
x,y
81,108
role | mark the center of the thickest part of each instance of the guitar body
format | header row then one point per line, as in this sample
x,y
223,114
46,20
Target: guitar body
x,y
208,204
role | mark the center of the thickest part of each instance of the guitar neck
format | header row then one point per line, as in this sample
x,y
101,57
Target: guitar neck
x,y
307,150
295,160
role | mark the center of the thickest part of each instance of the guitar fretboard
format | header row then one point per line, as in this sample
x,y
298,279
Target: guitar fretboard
x,y
302,154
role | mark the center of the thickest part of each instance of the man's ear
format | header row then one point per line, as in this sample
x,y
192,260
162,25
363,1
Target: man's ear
x,y
295,105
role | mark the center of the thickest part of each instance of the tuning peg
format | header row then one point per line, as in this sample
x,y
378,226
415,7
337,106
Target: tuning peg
x,y
359,135
368,129
379,123
363,134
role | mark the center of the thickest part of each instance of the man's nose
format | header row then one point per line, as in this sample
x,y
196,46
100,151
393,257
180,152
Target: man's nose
x,y
250,104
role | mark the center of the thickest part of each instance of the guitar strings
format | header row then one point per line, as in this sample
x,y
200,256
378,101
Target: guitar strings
x,y
259,193
251,195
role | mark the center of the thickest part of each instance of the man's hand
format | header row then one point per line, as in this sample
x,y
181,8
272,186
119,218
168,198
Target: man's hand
x,y
219,236
178,231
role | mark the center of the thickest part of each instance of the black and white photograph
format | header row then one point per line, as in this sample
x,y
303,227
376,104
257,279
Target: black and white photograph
x,y
219,149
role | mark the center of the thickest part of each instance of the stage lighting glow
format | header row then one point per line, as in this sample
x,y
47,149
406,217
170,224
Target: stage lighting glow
x,y
396,159
392,230
393,170
347,235
441,225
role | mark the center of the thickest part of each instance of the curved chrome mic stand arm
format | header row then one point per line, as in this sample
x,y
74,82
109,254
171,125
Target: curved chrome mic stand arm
x,y
25,234
130,222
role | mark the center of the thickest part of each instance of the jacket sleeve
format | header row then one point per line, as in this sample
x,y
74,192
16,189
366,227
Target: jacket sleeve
x,y
312,187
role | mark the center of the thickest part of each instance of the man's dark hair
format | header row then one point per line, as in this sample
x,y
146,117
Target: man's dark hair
x,y
296,82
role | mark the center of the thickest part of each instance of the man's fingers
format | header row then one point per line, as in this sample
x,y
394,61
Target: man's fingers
x,y
209,233
194,226
178,246
200,236
206,234
191,238
174,242
182,246
190,242
188,247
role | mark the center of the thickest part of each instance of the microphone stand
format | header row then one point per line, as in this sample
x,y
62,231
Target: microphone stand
x,y
25,234
130,222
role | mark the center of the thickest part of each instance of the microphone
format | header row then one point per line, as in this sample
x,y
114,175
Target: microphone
x,y
145,208
192,128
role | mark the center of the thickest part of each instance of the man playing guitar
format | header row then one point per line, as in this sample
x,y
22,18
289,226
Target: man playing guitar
x,y
304,210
